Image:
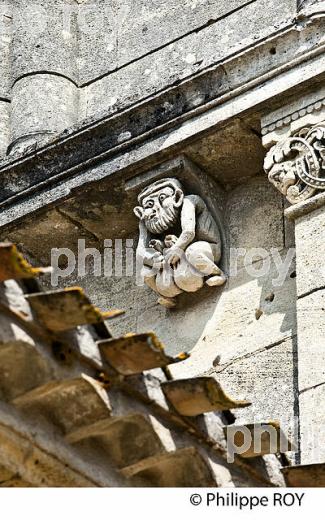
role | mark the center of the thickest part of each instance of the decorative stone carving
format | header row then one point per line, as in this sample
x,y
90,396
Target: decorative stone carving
x,y
296,165
179,241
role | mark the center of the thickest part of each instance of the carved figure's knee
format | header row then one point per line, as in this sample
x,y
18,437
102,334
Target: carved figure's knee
x,y
166,285
200,256
187,278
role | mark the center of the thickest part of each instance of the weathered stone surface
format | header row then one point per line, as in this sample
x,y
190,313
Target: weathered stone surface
x,y
189,55
254,215
43,105
4,126
5,41
312,432
53,230
183,468
44,38
67,404
244,333
251,314
310,244
261,376
308,39
311,337
43,460
233,155
124,440
310,475
300,111
136,28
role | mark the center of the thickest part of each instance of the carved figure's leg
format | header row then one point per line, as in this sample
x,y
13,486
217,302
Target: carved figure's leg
x,y
165,282
187,278
202,256
149,276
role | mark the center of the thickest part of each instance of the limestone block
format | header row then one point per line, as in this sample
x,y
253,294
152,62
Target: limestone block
x,y
255,216
43,460
44,38
311,339
4,126
187,55
136,28
231,155
252,314
310,245
260,377
312,430
50,230
67,404
150,26
5,41
42,106
299,112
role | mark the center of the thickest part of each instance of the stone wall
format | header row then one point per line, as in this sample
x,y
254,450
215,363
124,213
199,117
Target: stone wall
x,y
244,334
50,76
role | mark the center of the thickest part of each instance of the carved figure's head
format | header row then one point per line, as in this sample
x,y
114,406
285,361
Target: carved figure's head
x,y
280,165
283,176
160,205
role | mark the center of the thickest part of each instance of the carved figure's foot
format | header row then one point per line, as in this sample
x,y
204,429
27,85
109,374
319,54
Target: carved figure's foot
x,y
169,303
216,281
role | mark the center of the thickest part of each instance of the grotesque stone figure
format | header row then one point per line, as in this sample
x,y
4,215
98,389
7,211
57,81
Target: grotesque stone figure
x,y
296,166
179,243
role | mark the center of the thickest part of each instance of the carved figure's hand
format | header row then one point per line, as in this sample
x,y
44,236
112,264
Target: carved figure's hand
x,y
170,240
174,255
158,260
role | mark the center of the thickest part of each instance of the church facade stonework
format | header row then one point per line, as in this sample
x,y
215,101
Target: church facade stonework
x,y
188,161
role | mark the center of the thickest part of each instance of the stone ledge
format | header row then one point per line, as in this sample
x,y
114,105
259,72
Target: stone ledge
x,y
305,207
47,175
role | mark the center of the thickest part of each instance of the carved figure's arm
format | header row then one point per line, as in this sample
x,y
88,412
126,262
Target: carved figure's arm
x,y
188,223
149,255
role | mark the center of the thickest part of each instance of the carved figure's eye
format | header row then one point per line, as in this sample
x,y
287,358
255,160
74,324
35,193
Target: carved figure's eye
x,y
162,197
149,204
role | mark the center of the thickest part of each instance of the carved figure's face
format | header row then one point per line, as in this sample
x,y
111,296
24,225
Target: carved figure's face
x,y
160,210
283,176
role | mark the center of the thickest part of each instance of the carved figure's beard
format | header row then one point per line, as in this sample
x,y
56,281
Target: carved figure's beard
x,y
165,220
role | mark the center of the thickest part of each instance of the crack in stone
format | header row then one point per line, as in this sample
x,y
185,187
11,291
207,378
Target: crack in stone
x,y
311,388
78,224
308,293
248,355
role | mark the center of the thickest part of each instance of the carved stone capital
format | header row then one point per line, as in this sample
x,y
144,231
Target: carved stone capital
x,y
296,165
295,136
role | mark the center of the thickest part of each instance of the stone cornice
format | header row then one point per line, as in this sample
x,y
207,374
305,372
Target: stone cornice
x,y
80,148
294,115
